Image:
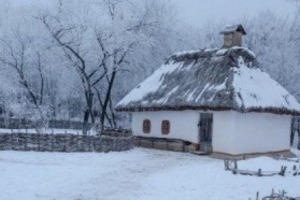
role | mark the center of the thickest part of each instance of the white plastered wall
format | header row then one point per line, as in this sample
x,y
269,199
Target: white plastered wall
x,y
183,124
245,133
261,132
233,133
223,132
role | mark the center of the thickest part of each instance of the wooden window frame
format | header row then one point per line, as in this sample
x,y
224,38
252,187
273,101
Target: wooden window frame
x,y
147,126
165,127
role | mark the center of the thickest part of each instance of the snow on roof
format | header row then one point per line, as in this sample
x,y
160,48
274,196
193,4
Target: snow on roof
x,y
215,79
255,88
233,28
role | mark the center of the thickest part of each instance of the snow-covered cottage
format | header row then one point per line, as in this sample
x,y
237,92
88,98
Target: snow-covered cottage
x,y
217,99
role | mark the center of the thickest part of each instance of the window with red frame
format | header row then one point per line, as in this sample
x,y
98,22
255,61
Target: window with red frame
x,y
146,126
165,127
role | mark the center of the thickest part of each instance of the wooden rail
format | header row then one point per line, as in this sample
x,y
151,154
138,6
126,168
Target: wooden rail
x,y
232,165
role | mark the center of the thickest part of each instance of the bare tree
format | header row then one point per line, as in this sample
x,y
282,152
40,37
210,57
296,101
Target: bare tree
x,y
110,44
121,45
85,56
16,55
89,75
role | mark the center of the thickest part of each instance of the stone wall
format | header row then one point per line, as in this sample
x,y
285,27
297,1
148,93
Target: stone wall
x,y
66,142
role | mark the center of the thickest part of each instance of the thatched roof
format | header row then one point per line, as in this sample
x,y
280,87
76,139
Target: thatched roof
x,y
219,79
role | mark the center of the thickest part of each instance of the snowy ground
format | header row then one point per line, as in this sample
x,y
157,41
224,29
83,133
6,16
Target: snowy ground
x,y
141,174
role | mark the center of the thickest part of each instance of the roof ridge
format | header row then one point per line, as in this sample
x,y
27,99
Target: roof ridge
x,y
211,52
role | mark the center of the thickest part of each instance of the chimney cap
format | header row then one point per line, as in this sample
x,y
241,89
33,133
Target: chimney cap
x,y
233,28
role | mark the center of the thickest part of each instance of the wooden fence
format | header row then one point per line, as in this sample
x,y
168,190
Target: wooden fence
x,y
18,123
281,195
232,165
66,142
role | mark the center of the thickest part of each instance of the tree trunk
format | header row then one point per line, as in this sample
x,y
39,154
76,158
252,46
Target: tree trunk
x,y
85,122
107,98
113,116
110,121
89,96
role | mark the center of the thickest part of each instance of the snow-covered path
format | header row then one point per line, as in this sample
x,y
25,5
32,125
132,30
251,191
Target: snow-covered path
x,y
136,174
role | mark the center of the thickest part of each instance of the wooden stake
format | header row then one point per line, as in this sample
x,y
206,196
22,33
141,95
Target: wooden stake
x,y
235,164
259,172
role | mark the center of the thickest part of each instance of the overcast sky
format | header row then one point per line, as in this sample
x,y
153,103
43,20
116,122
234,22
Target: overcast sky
x,y
197,12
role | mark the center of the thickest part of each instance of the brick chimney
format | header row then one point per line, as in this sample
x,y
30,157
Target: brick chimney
x,y
233,35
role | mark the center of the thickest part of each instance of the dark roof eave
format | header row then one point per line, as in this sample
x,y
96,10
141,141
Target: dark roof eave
x,y
169,108
278,111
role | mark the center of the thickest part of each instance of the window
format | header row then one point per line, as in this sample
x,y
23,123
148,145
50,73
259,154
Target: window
x,y
146,126
165,127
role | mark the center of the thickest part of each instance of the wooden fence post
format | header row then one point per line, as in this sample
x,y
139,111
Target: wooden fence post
x,y
235,164
282,171
234,171
38,139
226,164
12,143
26,141
259,172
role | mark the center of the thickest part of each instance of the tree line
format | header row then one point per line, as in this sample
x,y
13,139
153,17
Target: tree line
x,y
76,59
